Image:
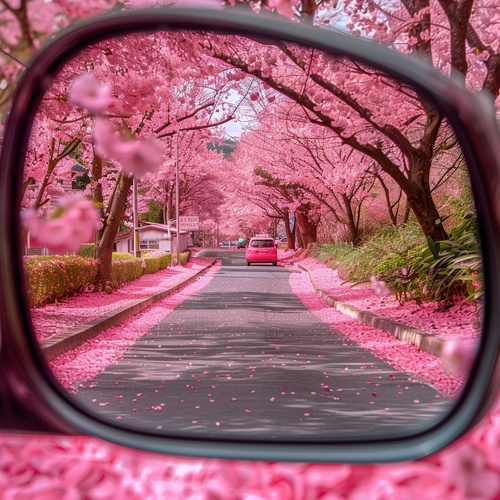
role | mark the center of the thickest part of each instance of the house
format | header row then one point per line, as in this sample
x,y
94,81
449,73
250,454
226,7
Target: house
x,y
152,236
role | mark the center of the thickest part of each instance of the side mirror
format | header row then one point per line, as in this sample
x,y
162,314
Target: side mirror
x,y
325,124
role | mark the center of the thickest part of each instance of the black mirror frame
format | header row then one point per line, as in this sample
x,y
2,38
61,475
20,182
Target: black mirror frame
x,y
32,401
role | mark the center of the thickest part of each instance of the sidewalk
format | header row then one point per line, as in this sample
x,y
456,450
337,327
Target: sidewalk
x,y
62,327
421,325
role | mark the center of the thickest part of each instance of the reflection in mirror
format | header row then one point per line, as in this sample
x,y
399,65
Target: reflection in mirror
x,y
367,326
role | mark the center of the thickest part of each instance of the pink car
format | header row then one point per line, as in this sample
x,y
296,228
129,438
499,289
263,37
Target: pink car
x,y
262,249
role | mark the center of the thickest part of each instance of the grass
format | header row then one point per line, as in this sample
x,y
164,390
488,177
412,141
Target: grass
x,y
357,264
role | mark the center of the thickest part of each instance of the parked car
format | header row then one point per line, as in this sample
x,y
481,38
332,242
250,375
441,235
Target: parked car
x,y
262,249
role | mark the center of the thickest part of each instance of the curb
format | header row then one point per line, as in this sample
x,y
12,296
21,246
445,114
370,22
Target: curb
x,y
424,341
74,337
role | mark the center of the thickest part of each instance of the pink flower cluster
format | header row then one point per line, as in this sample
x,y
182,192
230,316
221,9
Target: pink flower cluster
x,y
137,157
379,287
459,356
72,223
89,93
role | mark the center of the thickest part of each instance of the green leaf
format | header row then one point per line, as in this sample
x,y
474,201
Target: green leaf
x,y
433,247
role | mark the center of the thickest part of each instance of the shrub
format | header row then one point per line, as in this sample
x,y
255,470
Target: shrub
x,y
397,271
356,264
453,266
52,278
125,270
122,256
185,256
155,261
411,267
333,254
87,250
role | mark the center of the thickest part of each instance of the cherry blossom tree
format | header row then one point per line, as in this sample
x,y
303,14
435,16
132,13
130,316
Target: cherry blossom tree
x,y
200,81
347,99
25,25
160,101
200,179
300,157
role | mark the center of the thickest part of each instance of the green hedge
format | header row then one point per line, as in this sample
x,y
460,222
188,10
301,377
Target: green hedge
x,y
124,271
122,256
185,256
51,278
87,250
55,277
155,261
414,268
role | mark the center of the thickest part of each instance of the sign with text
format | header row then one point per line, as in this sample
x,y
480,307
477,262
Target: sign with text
x,y
189,222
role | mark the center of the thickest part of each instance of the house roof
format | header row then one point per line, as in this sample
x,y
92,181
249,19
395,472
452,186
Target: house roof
x,y
143,225
127,234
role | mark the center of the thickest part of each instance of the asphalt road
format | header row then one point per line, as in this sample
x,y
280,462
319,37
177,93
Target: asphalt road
x,y
244,358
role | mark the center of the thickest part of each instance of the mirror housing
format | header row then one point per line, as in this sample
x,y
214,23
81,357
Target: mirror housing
x,y
32,400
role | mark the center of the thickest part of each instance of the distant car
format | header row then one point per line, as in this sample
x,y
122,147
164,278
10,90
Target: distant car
x,y
262,249
242,243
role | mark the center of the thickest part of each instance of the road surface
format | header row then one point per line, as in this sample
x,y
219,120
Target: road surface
x,y
244,358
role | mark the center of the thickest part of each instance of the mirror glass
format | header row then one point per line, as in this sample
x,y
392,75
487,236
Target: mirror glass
x,y
316,214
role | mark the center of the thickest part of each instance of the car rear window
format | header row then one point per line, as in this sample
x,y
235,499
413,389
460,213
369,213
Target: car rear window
x,y
262,243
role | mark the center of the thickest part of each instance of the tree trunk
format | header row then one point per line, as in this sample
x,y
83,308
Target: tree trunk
x,y
422,204
352,225
105,247
97,164
290,234
307,228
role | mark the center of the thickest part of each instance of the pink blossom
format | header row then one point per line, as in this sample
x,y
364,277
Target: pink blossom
x,y
464,466
106,139
88,92
200,3
379,287
425,35
72,223
459,356
139,157
141,4
286,8
254,96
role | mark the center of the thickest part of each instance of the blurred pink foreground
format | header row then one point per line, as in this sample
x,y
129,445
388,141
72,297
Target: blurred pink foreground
x,y
81,467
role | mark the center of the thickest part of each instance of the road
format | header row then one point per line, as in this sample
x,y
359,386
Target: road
x,y
244,358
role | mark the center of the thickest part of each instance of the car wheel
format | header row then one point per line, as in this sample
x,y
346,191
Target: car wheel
x,y
248,263
275,263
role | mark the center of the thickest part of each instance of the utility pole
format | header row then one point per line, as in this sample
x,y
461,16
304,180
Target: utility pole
x,y
177,196
135,218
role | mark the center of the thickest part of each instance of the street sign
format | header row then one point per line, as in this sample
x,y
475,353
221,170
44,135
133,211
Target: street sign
x,y
189,222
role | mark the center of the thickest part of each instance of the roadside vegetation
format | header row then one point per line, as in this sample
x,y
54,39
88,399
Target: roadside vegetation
x,y
411,266
52,278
